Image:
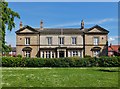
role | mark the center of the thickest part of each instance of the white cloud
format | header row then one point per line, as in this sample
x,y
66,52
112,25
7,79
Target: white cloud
x,y
111,39
114,39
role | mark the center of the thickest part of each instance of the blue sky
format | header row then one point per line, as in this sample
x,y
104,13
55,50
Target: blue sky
x,y
66,14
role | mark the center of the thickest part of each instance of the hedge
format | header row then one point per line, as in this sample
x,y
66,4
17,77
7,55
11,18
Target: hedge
x,y
61,62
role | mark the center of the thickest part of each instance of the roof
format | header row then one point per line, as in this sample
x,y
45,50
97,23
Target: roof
x,y
13,49
98,27
62,30
113,48
30,28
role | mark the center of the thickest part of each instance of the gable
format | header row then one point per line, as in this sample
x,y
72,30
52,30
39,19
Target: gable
x,y
95,30
25,31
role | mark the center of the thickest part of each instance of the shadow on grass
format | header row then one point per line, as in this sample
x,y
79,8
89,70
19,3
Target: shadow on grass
x,y
108,70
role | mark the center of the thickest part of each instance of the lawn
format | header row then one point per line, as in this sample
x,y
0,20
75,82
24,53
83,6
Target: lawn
x,y
60,77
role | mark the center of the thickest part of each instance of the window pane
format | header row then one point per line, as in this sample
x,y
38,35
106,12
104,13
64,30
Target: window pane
x,y
49,40
27,54
27,41
61,40
47,54
96,40
96,53
73,40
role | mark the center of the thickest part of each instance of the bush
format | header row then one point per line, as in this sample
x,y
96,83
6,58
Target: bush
x,y
87,56
61,62
19,55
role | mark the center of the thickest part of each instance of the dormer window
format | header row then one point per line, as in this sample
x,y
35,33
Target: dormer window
x,y
27,41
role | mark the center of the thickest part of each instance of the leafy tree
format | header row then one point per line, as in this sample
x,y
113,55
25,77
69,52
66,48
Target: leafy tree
x,y
119,49
7,16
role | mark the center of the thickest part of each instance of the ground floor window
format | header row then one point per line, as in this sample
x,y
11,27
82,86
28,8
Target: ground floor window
x,y
73,53
52,54
42,54
47,54
96,53
27,54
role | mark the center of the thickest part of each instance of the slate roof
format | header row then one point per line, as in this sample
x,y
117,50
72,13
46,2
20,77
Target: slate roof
x,y
63,30
13,49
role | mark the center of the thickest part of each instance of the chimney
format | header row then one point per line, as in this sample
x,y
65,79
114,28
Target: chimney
x,y
110,44
82,24
41,25
20,24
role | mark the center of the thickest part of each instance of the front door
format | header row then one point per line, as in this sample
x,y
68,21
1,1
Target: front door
x,y
61,54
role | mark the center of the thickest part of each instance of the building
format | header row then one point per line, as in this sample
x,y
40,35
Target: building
x,y
61,42
113,50
11,53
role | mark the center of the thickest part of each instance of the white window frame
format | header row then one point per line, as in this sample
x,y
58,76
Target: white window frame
x,y
49,40
42,54
96,40
75,53
47,54
74,40
95,53
27,53
27,41
61,40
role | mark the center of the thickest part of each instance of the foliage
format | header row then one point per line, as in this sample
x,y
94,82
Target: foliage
x,y
119,49
19,55
61,62
7,17
87,56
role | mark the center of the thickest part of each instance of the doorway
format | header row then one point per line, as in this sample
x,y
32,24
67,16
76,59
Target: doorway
x,y
61,54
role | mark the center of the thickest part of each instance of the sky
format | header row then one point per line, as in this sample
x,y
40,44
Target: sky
x,y
66,15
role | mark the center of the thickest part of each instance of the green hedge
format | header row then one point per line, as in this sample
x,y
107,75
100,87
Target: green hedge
x,y
61,62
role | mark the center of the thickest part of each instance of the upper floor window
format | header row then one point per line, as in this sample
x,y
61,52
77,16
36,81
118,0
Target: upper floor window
x,y
73,40
49,40
96,41
27,41
61,40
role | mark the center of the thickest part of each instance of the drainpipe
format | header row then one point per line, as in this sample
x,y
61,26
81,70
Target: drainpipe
x,y
39,44
83,44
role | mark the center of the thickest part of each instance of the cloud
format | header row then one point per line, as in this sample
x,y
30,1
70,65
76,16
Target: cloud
x,y
87,23
114,39
111,39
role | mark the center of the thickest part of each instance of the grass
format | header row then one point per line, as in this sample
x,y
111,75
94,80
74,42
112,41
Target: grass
x,y
60,77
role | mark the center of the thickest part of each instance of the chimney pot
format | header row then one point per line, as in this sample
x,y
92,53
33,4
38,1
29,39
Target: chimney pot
x,y
21,24
41,25
82,24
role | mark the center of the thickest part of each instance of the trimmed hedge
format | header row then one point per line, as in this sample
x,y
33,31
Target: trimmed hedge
x,y
61,62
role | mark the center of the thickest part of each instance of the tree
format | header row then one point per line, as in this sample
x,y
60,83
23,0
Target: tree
x,y
119,49
7,16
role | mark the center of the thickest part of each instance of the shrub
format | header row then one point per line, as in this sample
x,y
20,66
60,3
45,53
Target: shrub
x,y
87,56
61,62
19,55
